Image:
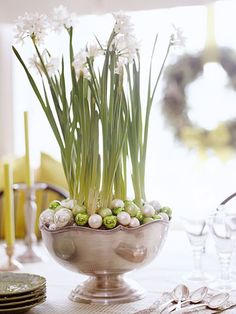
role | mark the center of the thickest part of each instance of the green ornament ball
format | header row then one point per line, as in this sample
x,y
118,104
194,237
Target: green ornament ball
x,y
117,210
79,210
81,219
157,217
139,215
147,220
104,212
131,209
110,221
54,205
166,210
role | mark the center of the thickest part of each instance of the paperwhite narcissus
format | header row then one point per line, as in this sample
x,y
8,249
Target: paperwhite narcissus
x,y
95,221
124,218
134,222
63,217
117,203
148,211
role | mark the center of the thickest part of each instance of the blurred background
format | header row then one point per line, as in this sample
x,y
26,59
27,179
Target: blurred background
x,y
192,181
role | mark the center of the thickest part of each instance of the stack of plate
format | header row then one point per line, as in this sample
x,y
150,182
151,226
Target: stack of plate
x,y
20,292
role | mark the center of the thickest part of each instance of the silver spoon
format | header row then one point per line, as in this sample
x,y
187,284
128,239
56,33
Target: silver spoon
x,y
179,294
214,303
195,297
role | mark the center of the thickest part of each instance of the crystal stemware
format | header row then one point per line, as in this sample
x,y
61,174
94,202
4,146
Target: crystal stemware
x,y
223,227
197,231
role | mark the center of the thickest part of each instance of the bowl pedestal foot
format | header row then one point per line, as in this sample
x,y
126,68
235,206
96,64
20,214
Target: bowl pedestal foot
x,y
107,289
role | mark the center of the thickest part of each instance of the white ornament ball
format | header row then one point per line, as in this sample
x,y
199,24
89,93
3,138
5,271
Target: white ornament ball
x,y
164,216
134,222
46,218
124,218
148,210
116,203
95,221
156,205
52,227
68,203
63,217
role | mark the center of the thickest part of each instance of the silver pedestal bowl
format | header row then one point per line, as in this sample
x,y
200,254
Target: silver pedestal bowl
x,y
105,255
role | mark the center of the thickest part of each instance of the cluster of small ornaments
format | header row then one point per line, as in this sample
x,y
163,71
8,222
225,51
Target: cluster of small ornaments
x,y
67,213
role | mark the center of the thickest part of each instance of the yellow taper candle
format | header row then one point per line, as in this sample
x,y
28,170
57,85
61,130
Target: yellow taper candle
x,y
28,179
8,206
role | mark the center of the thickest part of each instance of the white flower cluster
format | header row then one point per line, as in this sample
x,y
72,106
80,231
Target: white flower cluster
x,y
125,43
62,18
32,25
51,63
37,25
177,38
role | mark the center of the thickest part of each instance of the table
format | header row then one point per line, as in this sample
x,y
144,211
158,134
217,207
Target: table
x,y
163,274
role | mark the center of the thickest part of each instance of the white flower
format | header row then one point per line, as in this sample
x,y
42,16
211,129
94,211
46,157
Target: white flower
x,y
33,25
62,18
79,64
126,46
123,24
177,38
51,63
93,51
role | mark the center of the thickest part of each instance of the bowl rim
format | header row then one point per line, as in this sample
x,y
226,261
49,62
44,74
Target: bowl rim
x,y
105,231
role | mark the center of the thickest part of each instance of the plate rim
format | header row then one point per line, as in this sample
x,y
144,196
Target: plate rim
x,y
22,274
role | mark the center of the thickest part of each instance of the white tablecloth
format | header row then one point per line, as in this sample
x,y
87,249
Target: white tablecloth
x,y
161,275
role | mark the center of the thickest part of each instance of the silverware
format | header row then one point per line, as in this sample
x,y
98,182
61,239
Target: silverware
x,y
214,303
196,296
179,294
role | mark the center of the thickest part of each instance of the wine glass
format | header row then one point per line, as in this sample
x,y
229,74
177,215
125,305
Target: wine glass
x,y
223,229
197,231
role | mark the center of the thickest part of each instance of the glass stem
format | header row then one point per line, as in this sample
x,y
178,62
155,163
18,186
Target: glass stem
x,y
197,258
225,261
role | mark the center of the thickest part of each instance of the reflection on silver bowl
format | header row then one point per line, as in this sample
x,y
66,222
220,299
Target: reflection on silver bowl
x,y
105,255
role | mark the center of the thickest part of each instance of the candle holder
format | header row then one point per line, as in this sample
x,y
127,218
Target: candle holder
x,y
11,264
30,255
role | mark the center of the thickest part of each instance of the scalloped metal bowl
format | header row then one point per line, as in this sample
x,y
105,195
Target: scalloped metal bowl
x,y
105,255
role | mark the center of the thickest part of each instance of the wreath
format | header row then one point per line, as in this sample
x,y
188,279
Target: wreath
x,y
177,77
